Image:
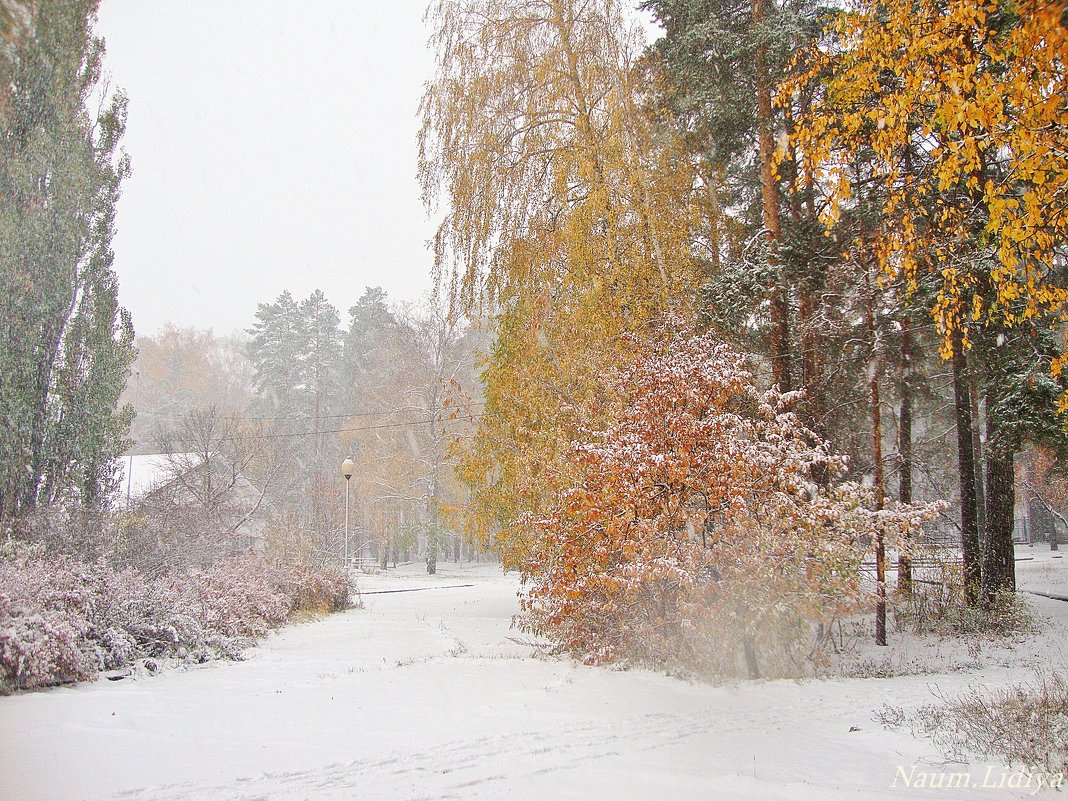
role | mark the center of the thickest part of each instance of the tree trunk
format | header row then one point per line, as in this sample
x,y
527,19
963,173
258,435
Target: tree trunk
x,y
751,662
877,463
715,218
999,558
807,320
810,366
431,551
977,449
904,452
432,531
969,525
432,528
1029,498
765,120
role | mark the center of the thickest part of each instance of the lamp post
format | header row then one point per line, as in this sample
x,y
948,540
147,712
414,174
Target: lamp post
x,y
347,468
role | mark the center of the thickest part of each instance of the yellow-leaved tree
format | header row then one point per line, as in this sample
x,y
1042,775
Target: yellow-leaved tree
x,y
565,218
956,109
961,107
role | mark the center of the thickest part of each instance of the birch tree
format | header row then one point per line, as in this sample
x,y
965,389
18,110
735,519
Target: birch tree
x,y
565,218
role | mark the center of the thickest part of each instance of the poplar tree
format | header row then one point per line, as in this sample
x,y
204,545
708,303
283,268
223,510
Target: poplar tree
x,y
65,343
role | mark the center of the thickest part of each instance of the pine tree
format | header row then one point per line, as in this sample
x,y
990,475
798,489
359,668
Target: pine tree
x,y
1020,399
296,352
718,68
276,353
365,362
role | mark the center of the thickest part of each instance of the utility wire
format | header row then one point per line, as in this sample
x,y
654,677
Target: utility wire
x,y
249,418
355,428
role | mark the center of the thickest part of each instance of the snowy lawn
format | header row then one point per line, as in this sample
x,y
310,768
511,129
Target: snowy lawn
x,y
424,695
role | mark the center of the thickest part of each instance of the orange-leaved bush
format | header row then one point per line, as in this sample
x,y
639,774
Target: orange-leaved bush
x,y
703,530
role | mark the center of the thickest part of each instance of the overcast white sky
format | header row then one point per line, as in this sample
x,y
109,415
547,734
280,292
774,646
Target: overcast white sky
x,y
273,148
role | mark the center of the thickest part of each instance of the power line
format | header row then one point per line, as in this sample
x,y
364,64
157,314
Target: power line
x,y
251,418
471,417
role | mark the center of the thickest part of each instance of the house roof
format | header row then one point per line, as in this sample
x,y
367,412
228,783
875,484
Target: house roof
x,y
143,473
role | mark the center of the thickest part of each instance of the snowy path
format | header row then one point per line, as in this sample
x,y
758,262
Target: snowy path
x,y
422,695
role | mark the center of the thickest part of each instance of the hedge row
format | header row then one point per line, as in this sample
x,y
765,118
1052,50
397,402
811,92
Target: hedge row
x,y
62,620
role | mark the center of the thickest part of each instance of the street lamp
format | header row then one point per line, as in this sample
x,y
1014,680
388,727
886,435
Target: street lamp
x,y
347,468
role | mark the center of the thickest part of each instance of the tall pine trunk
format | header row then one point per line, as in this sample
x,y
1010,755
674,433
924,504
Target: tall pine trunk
x,y
810,366
969,511
765,121
999,558
978,450
904,452
877,462
807,309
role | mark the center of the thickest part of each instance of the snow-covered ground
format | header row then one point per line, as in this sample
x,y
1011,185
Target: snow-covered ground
x,y
431,695
1041,570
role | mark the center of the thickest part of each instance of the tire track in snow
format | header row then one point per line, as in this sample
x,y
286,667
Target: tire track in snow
x,y
455,768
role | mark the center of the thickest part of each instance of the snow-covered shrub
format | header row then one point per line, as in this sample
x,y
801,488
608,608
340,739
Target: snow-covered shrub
x,y
696,533
63,620
937,605
234,597
116,605
313,588
43,624
248,595
61,528
1024,724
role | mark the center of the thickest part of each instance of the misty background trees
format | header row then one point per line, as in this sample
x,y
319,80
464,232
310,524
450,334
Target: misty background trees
x,y
297,394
